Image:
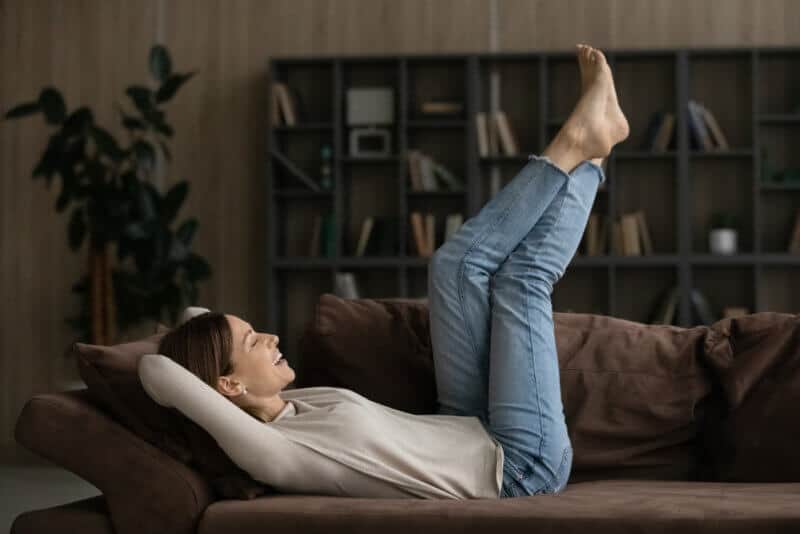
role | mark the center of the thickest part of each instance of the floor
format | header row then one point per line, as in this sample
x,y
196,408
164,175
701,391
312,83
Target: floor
x,y
29,482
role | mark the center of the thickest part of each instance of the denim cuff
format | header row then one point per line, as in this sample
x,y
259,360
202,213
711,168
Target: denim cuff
x,y
547,160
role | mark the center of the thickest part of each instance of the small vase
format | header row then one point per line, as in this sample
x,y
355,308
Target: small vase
x,y
722,241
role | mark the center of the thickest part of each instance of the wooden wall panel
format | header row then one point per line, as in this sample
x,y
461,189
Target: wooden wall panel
x,y
92,49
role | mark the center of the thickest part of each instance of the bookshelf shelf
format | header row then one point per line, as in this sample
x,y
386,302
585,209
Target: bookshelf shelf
x,y
754,93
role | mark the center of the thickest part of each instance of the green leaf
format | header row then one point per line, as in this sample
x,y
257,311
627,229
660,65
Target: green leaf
x,y
22,110
78,121
106,143
173,200
142,97
149,201
197,268
164,128
48,163
132,123
145,154
76,229
160,64
52,103
171,86
185,232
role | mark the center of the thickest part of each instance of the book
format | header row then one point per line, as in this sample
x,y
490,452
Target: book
x,y
794,241
701,307
644,232
616,238
452,182
415,180
418,233
630,235
366,229
653,127
426,173
719,137
345,286
601,244
285,102
665,133
507,139
452,223
483,134
316,233
698,127
667,308
441,107
430,233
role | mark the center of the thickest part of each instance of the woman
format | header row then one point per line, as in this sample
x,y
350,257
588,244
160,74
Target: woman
x,y
500,430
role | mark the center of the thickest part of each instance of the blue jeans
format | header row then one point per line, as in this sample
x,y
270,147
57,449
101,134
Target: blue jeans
x,y
491,318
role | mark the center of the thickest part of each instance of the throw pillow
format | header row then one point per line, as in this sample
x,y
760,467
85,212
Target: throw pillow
x,y
110,373
756,364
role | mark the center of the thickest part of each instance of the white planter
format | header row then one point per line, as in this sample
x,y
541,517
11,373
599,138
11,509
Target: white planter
x,y
722,241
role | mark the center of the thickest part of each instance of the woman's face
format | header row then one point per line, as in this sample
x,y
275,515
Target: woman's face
x,y
254,356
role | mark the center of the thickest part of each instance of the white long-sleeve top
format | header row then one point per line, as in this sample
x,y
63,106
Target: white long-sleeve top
x,y
333,441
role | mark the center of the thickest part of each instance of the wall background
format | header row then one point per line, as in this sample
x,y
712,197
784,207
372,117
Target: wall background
x,y
93,49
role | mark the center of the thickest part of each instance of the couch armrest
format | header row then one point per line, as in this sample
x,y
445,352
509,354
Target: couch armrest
x,y
147,491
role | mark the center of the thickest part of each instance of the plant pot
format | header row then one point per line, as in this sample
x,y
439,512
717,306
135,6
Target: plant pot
x,y
722,241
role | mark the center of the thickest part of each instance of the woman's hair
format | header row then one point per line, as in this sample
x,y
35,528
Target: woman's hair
x,y
202,345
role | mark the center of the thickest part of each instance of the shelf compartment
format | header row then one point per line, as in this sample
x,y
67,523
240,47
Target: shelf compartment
x,y
371,73
645,85
722,82
778,151
436,79
301,154
778,82
779,290
312,86
295,223
778,213
582,290
518,98
440,208
723,286
720,186
639,291
650,186
368,191
446,147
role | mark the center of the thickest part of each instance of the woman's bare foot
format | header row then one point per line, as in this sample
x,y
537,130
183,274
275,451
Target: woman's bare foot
x,y
597,122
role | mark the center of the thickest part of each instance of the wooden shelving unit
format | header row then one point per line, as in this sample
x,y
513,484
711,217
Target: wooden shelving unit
x,y
753,92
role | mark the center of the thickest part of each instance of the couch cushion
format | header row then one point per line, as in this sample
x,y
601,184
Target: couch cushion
x,y
632,392
110,372
752,435
617,506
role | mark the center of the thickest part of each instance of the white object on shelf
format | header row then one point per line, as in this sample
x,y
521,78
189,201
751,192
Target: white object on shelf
x,y
722,241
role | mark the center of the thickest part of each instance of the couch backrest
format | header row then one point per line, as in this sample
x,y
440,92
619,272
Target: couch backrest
x,y
633,393
147,491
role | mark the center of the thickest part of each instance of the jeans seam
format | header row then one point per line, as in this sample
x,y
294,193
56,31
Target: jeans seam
x,y
462,266
527,311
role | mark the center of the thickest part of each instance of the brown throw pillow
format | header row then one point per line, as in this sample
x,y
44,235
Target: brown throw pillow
x,y
632,392
752,436
110,373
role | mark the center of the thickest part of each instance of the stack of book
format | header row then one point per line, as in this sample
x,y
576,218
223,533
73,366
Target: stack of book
x,y
286,105
794,241
495,134
705,132
423,230
378,236
423,172
629,235
323,236
660,132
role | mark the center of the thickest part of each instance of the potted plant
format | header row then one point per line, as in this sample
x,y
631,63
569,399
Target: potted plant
x,y
138,267
723,236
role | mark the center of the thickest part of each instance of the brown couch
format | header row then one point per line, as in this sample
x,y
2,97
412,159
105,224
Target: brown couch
x,y
674,430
